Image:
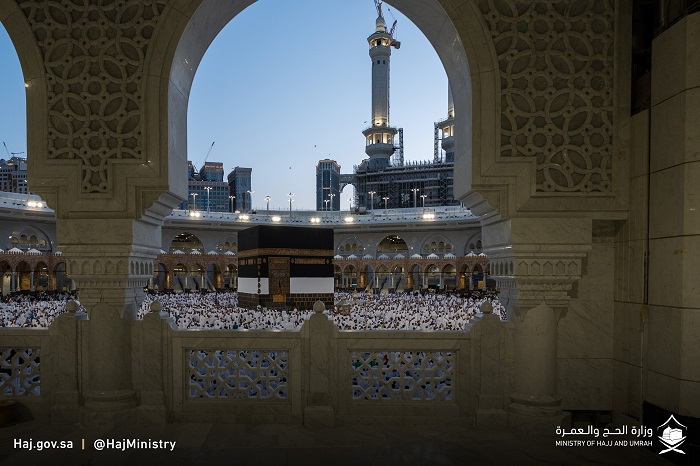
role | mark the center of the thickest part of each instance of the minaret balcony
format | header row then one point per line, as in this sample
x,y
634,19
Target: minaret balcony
x,y
448,143
381,149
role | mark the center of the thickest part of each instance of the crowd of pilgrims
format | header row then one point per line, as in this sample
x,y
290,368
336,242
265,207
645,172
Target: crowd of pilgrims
x,y
37,310
219,310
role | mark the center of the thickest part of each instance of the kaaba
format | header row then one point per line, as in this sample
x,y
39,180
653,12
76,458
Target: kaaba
x,y
285,267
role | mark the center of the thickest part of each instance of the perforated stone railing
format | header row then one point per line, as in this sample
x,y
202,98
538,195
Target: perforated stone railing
x,y
406,375
237,374
402,375
20,372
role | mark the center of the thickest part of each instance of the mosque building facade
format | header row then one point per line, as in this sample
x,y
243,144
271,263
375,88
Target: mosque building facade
x,y
583,193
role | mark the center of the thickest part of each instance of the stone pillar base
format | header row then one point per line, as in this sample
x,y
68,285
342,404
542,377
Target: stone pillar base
x,y
319,417
112,400
109,409
151,415
105,421
65,414
491,419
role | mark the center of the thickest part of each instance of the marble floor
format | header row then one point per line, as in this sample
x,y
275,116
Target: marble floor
x,y
219,444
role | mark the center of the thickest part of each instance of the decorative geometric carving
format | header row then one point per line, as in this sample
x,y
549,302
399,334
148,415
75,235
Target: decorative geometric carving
x,y
402,375
236,374
19,372
556,64
93,54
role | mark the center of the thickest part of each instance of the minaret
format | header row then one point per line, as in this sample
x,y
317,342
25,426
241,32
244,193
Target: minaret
x,y
380,135
447,127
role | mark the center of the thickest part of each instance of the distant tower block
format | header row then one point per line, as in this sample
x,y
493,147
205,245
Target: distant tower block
x,y
282,267
380,135
447,128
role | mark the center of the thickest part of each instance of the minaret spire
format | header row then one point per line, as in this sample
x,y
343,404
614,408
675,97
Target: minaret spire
x,y
380,135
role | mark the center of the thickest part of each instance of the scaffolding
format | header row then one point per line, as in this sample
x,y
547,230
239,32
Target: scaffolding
x,y
435,180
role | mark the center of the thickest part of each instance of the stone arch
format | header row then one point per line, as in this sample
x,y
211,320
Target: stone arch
x,y
186,242
212,277
436,243
5,277
161,277
231,276
228,243
449,277
41,276
392,244
351,245
367,274
471,68
23,270
179,280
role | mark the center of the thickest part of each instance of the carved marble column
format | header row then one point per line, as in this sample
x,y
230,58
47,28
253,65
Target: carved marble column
x,y
97,130
67,330
152,365
546,257
111,261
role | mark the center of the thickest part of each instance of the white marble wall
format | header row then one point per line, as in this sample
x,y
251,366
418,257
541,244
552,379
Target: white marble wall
x,y
672,375
585,348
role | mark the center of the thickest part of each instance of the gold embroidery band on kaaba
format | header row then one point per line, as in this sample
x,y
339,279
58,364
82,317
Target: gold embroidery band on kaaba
x,y
286,252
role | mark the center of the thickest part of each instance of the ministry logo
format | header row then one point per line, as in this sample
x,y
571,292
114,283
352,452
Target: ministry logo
x,y
673,434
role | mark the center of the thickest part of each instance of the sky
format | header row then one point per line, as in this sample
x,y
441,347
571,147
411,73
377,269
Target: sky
x,y
282,86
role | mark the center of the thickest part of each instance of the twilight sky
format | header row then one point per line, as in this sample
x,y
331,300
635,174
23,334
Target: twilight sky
x,y
284,85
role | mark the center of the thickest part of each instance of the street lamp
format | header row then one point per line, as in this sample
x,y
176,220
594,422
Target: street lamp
x,y
208,188
371,199
250,199
326,201
415,192
331,196
230,202
290,195
386,202
267,199
194,201
422,197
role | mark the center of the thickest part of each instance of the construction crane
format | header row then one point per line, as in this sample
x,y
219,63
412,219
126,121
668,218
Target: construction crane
x,y
10,154
394,43
194,167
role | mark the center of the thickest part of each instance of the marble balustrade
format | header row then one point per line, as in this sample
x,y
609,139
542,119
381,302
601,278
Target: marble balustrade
x,y
258,376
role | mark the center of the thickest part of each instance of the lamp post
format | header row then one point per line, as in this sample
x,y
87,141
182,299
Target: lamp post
x,y
386,202
194,201
250,199
422,197
331,196
267,200
371,199
230,202
415,192
208,188
326,201
290,203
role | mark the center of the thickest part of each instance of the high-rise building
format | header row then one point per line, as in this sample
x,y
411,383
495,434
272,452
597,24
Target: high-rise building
x,y
241,188
327,185
13,175
207,190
